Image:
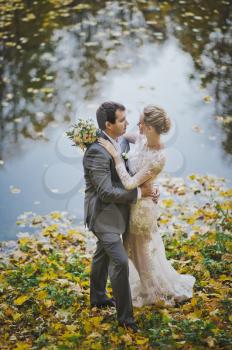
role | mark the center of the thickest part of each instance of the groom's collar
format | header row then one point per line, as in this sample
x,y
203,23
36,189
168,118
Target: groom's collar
x,y
108,137
114,142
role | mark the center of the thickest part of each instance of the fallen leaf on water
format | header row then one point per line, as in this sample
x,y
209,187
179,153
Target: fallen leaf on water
x,y
15,190
197,129
208,98
54,190
188,14
91,44
81,7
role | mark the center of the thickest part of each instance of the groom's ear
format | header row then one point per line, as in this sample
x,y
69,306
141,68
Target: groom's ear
x,y
108,125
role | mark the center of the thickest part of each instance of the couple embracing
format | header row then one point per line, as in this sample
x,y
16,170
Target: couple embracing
x,y
121,211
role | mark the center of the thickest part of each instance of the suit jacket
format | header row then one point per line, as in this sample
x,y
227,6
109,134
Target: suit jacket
x,y
106,200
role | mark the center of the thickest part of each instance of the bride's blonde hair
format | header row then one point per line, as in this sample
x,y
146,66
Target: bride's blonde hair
x,y
157,118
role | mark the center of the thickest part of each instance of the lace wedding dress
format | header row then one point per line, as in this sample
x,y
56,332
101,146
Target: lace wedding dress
x,y
152,277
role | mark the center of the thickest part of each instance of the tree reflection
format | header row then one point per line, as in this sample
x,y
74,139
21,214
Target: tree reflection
x,y
54,53
204,30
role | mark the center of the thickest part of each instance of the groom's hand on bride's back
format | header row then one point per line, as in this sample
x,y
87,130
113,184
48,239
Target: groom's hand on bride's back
x,y
148,190
156,194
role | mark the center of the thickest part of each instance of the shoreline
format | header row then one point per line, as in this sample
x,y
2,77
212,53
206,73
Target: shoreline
x,y
180,202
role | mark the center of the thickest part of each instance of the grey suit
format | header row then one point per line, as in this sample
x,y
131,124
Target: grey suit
x,y
107,215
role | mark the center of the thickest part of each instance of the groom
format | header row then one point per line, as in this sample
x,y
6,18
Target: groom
x,y
107,206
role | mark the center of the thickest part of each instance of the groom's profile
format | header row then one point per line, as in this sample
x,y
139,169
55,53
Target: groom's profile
x,y
107,206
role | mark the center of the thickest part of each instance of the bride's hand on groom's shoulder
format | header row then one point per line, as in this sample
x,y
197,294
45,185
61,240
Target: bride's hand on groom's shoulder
x,y
108,146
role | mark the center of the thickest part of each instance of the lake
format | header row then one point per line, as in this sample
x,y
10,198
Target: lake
x,y
61,59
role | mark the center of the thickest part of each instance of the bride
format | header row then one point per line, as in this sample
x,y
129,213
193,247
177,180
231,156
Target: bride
x,y
158,281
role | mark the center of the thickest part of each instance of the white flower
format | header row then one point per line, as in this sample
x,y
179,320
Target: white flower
x,y
125,155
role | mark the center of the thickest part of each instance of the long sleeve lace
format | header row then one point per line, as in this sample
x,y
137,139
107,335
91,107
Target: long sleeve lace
x,y
150,170
132,137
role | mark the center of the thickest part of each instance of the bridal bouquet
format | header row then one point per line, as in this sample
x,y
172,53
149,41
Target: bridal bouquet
x,y
83,133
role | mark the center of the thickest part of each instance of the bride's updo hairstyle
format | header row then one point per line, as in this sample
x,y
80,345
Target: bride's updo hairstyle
x,y
157,118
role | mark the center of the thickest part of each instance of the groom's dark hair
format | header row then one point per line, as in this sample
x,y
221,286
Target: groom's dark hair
x,y
106,113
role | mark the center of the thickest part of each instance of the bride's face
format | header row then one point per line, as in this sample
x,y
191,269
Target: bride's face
x,y
141,124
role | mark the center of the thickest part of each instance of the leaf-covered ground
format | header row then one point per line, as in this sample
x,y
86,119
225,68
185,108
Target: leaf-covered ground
x,y
44,283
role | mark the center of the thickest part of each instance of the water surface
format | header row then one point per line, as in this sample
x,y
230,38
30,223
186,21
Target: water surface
x,y
60,60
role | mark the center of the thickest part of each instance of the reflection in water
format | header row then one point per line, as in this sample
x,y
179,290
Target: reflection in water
x,y
44,80
57,57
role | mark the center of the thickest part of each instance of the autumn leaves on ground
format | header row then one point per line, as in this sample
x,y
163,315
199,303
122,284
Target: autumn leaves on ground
x,y
44,283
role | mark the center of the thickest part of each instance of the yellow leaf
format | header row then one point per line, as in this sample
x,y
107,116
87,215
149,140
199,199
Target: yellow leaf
x,y
168,202
164,221
77,235
227,205
126,338
21,300
22,346
41,294
16,316
84,283
24,240
105,326
194,315
194,302
225,278
176,336
56,215
87,326
141,341
42,284
48,303
50,229
48,276
67,335
191,220
165,315
206,274
96,320
227,193
88,269
96,346
71,327
57,326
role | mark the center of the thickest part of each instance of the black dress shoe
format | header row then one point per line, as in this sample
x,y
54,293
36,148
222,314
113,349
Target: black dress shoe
x,y
130,326
104,304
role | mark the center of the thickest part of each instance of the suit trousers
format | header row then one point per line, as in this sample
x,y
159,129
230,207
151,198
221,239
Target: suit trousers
x,y
110,257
